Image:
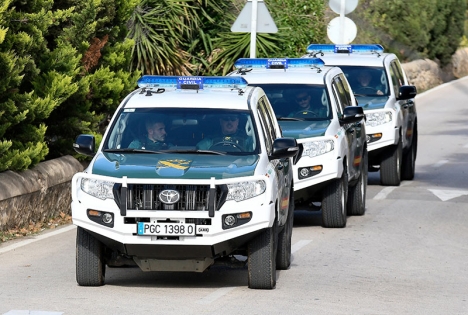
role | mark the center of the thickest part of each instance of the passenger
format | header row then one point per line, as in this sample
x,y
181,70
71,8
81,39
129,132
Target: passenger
x,y
155,139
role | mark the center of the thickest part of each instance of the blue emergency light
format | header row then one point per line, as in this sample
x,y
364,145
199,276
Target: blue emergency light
x,y
191,82
348,49
278,63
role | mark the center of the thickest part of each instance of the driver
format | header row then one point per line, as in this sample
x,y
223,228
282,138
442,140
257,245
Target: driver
x,y
364,78
304,101
231,136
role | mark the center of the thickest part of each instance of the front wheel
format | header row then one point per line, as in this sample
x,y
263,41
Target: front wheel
x,y
334,202
357,193
262,259
390,167
90,265
409,159
283,257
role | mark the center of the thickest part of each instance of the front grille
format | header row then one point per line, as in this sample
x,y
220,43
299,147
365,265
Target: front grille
x,y
192,197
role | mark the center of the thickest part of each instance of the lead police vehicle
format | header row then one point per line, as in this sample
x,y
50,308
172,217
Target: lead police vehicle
x,y
315,105
381,88
192,171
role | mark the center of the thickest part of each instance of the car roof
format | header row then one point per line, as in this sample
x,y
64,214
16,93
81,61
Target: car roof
x,y
369,60
289,76
207,98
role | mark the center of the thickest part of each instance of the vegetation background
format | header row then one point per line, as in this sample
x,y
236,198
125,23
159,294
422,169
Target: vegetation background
x,y
65,65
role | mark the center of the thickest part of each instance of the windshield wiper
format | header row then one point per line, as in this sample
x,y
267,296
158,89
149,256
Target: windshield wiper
x,y
131,150
290,118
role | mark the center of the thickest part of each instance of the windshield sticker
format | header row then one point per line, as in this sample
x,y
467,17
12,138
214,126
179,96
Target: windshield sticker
x,y
129,110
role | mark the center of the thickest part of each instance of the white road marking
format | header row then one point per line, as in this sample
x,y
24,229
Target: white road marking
x,y
26,312
35,239
299,245
387,190
215,295
440,163
445,195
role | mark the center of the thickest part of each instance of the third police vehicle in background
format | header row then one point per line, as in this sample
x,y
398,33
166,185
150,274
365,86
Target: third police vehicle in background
x,y
314,104
382,89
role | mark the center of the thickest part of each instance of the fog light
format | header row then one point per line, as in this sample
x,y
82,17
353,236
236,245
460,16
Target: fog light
x,y
107,218
304,172
229,220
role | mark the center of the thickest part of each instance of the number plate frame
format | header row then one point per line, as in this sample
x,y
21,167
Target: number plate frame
x,y
165,229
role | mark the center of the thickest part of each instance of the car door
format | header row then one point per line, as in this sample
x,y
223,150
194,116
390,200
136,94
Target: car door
x,y
281,167
398,80
351,130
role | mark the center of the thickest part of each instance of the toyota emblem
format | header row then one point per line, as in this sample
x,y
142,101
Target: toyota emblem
x,y
169,196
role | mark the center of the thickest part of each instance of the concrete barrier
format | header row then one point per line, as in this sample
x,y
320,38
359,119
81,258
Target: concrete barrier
x,y
36,195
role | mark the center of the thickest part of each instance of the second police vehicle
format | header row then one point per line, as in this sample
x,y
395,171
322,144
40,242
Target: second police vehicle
x,y
382,89
314,104
192,171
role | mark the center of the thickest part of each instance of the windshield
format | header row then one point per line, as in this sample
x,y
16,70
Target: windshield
x,y
298,101
182,130
367,81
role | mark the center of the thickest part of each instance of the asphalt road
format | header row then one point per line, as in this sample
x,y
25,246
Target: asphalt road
x,y
407,255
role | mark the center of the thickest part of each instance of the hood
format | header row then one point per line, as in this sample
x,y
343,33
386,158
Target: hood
x,y
184,166
304,129
374,102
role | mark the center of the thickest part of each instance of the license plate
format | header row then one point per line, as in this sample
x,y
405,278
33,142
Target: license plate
x,y
166,229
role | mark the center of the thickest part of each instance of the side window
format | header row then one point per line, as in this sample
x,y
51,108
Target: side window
x,y
343,95
339,107
270,117
347,89
265,130
395,80
399,72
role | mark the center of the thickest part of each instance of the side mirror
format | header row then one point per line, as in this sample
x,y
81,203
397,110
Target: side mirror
x,y
284,148
352,114
85,144
406,92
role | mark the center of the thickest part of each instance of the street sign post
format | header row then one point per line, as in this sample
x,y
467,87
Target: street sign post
x,y
254,18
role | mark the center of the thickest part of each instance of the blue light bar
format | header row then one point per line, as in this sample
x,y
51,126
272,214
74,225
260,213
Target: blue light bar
x,y
191,82
278,63
349,49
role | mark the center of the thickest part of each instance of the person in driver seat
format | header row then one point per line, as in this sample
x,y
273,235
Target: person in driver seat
x,y
231,139
364,79
306,108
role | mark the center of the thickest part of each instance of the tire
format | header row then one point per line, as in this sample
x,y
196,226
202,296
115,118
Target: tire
x,y
390,167
90,265
262,259
334,201
409,159
357,193
283,256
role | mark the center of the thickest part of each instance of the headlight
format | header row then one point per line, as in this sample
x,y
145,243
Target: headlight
x,y
97,188
315,148
245,190
377,119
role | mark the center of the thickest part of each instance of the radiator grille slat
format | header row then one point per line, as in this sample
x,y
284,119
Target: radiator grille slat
x,y
146,197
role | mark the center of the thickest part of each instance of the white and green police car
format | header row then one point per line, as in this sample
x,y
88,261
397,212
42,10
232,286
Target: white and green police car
x,y
199,197
382,89
315,105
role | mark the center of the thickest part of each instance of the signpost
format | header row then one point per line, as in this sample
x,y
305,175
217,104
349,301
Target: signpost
x,y
342,30
254,18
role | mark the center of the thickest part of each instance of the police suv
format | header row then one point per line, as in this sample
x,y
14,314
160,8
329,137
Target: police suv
x,y
314,104
381,88
192,171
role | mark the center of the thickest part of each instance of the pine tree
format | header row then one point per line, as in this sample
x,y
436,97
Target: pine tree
x,y
28,93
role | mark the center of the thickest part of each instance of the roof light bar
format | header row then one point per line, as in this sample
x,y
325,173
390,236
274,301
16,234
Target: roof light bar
x,y
348,49
191,82
278,63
